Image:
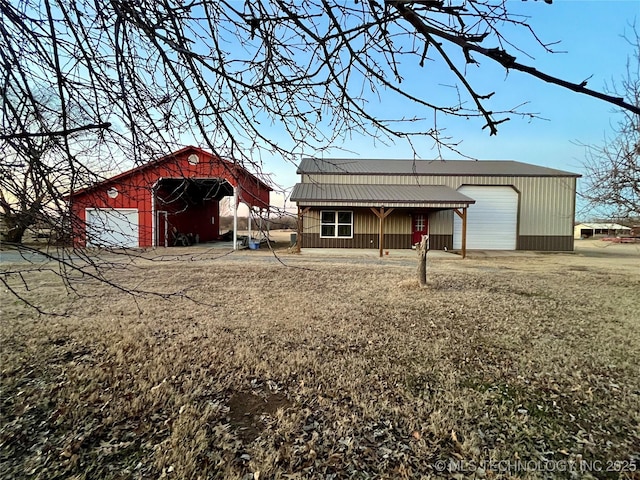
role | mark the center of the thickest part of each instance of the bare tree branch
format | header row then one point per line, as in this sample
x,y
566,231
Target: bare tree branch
x,y
612,181
505,59
57,133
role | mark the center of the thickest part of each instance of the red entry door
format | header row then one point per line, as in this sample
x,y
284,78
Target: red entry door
x,y
419,227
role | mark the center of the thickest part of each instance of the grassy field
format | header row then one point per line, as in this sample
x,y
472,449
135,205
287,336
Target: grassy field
x,y
523,366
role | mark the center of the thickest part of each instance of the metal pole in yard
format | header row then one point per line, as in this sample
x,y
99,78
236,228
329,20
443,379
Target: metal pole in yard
x,y
235,218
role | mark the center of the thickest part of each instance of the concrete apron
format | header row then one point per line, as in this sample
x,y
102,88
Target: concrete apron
x,y
373,253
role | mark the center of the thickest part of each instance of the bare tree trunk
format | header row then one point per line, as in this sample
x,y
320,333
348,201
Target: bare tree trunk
x,y
16,223
423,248
15,234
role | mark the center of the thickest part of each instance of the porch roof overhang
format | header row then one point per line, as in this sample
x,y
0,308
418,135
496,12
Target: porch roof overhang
x,y
389,196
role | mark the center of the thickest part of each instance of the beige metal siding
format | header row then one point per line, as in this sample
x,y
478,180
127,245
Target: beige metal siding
x,y
441,223
546,203
547,206
311,222
365,221
399,221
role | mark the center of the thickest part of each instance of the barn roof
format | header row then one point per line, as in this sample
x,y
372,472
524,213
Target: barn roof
x,y
166,159
433,196
353,166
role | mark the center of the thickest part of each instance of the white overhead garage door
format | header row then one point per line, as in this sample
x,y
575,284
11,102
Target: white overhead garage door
x,y
492,221
112,227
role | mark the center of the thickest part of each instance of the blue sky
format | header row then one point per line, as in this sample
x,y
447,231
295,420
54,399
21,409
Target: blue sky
x,y
590,35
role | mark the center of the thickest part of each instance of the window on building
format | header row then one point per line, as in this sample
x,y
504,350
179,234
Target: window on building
x,y
336,224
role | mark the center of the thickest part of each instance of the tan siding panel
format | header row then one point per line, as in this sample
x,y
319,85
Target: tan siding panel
x,y
365,222
399,221
311,222
546,206
441,222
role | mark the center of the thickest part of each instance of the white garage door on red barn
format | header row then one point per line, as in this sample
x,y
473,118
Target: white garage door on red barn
x,y
492,222
112,227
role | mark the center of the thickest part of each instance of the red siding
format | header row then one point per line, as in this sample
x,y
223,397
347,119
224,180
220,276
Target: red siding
x,y
135,191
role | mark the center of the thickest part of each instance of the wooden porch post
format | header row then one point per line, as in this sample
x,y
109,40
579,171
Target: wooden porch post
x,y
301,213
265,233
464,232
381,214
463,216
381,232
299,233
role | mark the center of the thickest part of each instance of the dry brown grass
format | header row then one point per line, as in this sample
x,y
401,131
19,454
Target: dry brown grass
x,y
339,369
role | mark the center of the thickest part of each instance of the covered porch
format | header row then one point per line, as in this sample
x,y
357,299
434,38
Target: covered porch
x,y
368,216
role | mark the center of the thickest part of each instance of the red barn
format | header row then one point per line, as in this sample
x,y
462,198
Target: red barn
x,y
149,205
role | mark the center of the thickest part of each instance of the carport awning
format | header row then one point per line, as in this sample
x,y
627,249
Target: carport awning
x,y
390,196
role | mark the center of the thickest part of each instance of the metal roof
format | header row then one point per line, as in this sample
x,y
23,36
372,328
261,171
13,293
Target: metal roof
x,y
603,226
328,194
355,166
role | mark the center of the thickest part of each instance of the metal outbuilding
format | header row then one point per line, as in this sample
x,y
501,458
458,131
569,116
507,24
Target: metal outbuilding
x,y
385,204
174,197
587,230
